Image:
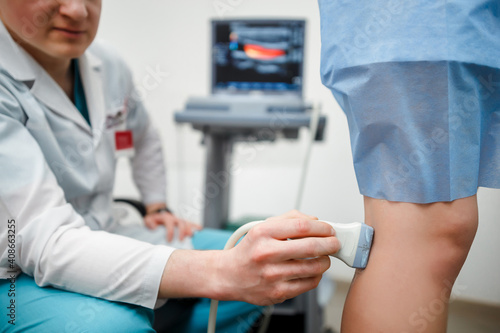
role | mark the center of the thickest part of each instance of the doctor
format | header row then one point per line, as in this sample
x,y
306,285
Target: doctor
x,y
67,111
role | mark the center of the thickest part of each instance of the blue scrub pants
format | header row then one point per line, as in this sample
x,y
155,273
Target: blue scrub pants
x,y
52,310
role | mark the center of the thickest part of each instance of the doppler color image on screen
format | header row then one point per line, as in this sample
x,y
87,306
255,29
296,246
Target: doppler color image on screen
x,y
258,55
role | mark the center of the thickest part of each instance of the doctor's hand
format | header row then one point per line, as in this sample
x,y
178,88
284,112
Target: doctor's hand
x,y
264,268
171,222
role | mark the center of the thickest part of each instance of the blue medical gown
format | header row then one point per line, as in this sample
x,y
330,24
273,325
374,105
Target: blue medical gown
x,y
419,82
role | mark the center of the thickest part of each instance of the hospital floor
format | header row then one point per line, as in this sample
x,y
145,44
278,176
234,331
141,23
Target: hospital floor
x,y
465,317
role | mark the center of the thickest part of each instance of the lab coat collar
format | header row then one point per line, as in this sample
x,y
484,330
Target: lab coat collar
x,y
22,67
46,90
49,92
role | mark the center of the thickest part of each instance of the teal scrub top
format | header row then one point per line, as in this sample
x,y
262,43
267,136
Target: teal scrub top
x,y
79,93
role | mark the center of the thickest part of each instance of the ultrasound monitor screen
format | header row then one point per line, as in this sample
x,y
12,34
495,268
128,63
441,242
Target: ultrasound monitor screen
x,y
256,55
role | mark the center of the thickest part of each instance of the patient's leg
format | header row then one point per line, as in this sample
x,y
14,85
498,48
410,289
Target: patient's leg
x,y
417,254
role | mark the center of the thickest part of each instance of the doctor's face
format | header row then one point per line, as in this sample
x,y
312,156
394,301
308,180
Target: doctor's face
x,y
52,29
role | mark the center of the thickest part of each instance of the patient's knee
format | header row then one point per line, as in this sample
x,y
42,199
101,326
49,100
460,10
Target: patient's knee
x,y
453,236
457,225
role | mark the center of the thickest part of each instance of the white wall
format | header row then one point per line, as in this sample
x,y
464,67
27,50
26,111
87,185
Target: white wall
x,y
172,37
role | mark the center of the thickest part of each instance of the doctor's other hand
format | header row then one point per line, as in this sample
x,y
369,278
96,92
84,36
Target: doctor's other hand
x,y
154,218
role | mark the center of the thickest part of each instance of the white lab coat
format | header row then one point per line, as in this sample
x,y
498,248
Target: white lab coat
x,y
56,169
